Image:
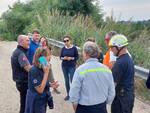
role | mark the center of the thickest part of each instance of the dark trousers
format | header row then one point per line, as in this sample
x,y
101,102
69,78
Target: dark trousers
x,y
68,75
22,88
40,105
99,108
123,104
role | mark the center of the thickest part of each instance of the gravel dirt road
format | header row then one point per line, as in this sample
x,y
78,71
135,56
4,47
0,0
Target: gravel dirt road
x,y
9,96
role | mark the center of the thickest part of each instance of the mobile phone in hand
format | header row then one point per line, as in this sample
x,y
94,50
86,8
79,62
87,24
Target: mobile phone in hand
x,y
43,61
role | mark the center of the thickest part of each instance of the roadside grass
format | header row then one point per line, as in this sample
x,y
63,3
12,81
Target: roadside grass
x,y
141,91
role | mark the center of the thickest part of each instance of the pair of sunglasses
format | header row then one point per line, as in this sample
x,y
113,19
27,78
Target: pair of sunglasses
x,y
66,41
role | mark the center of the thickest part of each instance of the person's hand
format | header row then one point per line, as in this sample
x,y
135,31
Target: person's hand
x,y
69,58
54,84
65,58
46,69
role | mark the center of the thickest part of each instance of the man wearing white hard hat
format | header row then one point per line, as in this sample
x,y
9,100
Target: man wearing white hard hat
x,y
123,73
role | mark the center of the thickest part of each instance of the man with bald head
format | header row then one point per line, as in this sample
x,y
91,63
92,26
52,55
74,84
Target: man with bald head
x,y
92,86
20,67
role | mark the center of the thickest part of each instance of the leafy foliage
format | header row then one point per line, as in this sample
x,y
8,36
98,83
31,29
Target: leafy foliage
x,y
16,19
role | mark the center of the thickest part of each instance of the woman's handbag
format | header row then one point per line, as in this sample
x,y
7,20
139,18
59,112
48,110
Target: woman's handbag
x,y
50,101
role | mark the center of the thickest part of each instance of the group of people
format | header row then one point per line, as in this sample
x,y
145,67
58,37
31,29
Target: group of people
x,y
95,84
100,80
32,78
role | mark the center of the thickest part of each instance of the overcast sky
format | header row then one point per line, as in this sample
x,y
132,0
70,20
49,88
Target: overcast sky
x,y
4,4
126,9
122,9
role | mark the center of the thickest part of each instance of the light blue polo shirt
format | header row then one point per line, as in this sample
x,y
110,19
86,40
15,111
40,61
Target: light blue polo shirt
x,y
92,84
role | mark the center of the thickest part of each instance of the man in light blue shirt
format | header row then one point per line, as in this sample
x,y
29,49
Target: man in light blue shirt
x,y
93,84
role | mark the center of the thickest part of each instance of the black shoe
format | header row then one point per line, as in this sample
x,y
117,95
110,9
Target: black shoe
x,y
66,98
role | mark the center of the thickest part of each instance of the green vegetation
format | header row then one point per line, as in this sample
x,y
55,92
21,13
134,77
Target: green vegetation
x,y
80,19
141,90
15,20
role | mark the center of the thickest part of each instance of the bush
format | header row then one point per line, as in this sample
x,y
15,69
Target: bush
x,y
55,25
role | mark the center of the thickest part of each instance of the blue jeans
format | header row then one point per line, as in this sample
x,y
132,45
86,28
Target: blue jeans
x,y
68,76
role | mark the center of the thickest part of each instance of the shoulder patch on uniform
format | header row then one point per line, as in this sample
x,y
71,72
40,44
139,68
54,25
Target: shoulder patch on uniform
x,y
35,81
24,58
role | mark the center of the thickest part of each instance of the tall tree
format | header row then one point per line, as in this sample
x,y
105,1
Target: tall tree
x,y
73,7
17,18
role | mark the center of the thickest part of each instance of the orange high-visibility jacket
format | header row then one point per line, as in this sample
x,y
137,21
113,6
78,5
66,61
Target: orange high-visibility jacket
x,y
106,60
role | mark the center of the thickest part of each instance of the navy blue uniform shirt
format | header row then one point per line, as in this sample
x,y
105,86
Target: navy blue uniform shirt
x,y
18,62
123,72
35,78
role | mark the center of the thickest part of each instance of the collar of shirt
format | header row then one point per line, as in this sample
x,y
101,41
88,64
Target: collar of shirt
x,y
37,43
91,59
22,49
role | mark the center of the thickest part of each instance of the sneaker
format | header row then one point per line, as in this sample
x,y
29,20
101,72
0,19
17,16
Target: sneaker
x,y
66,98
56,91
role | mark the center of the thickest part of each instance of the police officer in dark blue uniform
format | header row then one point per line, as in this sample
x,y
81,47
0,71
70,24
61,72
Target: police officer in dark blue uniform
x,y
123,73
38,93
20,67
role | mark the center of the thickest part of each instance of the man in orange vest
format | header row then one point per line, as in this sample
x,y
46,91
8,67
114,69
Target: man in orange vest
x,y
109,58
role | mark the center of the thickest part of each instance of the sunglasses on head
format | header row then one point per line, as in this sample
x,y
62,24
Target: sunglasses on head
x,y
66,40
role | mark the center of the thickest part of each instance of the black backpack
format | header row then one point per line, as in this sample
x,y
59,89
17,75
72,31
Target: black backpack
x,y
148,81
